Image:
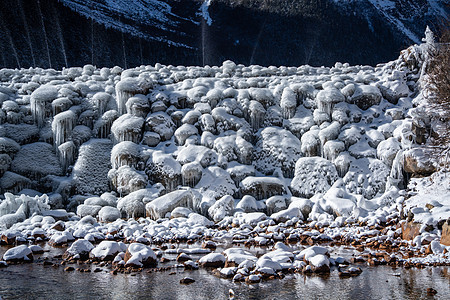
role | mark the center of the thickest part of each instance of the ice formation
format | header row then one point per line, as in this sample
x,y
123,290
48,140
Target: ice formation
x,y
235,144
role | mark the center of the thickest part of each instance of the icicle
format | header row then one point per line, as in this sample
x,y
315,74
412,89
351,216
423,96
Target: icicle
x,y
38,111
66,154
288,103
127,88
62,126
102,127
100,102
257,113
191,174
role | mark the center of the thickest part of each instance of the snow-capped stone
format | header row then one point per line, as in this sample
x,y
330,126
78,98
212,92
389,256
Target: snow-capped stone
x,y
221,208
107,250
109,214
18,254
80,249
139,255
212,260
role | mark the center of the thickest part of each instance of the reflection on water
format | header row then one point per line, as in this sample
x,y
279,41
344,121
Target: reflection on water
x,y
35,281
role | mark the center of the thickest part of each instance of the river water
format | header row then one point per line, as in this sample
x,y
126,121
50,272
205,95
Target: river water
x,y
35,281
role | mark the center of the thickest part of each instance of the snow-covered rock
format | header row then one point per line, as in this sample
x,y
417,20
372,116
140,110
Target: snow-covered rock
x,y
139,255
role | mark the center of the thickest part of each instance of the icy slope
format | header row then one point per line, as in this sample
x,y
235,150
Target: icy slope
x,y
322,144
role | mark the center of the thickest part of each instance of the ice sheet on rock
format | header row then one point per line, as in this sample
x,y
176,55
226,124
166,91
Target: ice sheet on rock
x,y
126,180
263,187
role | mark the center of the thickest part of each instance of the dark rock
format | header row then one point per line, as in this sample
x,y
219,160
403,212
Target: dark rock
x,y
187,280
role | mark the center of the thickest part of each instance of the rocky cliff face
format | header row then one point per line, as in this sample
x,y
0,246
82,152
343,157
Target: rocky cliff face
x,y
50,33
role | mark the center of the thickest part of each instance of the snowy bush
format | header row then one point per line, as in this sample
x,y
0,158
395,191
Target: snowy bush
x,y
313,175
276,148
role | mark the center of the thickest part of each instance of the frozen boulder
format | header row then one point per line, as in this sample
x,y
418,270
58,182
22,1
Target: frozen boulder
x,y
288,103
216,183
196,153
128,128
125,153
262,187
131,206
221,208
310,143
327,98
165,169
184,132
387,150
128,87
332,149
313,175
161,123
126,180
419,161
88,210
109,214
248,204
138,106
191,173
159,207
275,204
366,96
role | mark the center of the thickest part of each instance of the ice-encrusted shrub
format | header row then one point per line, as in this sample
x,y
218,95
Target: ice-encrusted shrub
x,y
313,175
367,177
90,171
36,160
276,148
